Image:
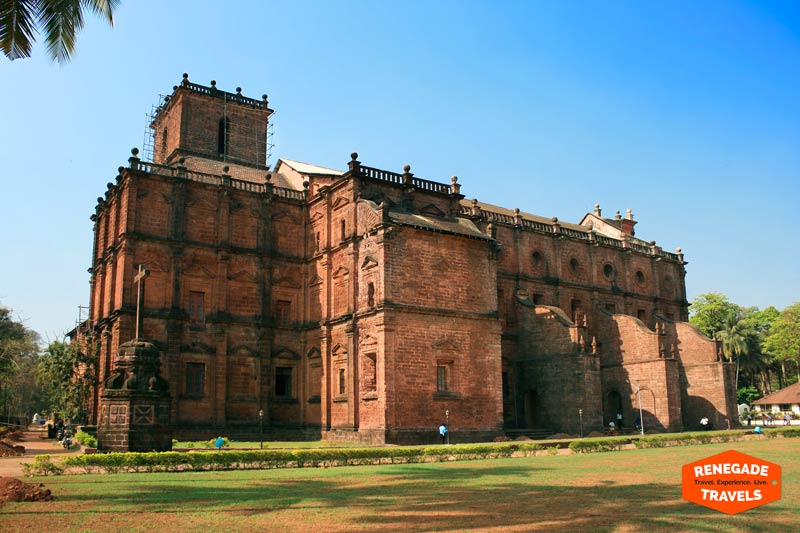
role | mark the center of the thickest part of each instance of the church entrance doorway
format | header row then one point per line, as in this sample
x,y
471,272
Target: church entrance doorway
x,y
533,418
612,407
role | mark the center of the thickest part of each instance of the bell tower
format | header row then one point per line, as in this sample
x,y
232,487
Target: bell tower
x,y
202,122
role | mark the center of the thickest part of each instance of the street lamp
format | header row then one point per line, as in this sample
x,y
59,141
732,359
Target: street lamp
x,y
447,424
261,428
639,399
580,414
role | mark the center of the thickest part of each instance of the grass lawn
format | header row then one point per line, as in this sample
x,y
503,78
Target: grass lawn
x,y
636,490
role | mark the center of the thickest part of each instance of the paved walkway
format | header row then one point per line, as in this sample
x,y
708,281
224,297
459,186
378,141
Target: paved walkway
x,y
35,442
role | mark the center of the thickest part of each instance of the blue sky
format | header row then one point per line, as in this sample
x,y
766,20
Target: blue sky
x,y
685,112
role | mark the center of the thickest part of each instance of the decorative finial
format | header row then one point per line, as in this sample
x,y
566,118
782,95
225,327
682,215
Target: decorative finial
x,y
597,210
516,211
134,151
268,177
239,91
214,83
678,250
454,180
185,76
353,156
629,214
225,169
652,243
594,345
109,185
554,220
305,184
264,97
617,216
181,161
406,168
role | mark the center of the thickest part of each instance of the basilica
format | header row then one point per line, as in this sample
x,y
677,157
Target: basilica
x,y
369,305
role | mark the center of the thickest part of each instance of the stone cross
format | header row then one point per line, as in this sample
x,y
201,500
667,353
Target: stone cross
x,y
139,280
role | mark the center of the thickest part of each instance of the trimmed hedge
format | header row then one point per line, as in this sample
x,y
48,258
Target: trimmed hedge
x,y
299,458
317,457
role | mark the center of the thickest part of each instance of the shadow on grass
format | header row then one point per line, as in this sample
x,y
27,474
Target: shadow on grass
x,y
517,496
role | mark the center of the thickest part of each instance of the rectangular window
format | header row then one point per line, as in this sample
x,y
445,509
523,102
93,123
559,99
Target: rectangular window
x,y
538,299
370,373
342,382
283,382
441,378
197,312
195,379
283,310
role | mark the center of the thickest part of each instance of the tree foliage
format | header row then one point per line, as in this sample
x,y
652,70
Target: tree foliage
x,y
19,352
783,339
67,372
763,344
711,311
59,21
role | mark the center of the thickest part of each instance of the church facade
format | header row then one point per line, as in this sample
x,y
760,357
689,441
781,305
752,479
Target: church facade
x,y
368,305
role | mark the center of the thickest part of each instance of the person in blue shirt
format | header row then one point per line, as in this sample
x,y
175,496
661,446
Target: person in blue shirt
x,y
443,432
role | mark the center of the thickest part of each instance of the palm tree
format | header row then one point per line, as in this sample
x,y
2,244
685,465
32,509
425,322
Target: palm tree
x,y
734,337
59,20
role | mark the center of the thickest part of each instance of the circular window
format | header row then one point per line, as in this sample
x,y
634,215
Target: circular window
x,y
608,271
639,277
573,264
536,258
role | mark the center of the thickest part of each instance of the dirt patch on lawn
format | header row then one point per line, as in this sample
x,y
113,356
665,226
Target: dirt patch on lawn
x,y
14,490
10,450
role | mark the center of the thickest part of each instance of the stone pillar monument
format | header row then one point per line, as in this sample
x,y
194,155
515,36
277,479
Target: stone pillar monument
x,y
135,402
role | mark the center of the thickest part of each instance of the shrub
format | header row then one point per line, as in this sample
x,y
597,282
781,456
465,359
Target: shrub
x,y
86,439
597,445
43,465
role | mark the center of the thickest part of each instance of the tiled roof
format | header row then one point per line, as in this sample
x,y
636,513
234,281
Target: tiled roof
x,y
787,395
458,226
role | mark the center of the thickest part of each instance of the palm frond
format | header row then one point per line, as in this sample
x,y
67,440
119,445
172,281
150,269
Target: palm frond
x,y
61,20
17,27
103,8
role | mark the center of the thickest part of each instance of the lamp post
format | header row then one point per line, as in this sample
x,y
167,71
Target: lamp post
x,y
639,399
580,414
261,428
447,424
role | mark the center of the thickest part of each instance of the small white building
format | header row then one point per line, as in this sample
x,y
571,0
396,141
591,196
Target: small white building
x,y
784,400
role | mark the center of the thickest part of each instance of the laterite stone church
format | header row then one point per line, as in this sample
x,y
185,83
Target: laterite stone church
x,y
369,305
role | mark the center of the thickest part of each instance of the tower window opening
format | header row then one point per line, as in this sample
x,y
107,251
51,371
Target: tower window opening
x,y
224,135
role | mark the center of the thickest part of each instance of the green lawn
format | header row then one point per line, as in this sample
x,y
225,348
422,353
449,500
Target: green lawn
x,y
636,490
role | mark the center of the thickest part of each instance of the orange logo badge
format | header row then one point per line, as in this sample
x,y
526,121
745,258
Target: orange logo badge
x,y
731,482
